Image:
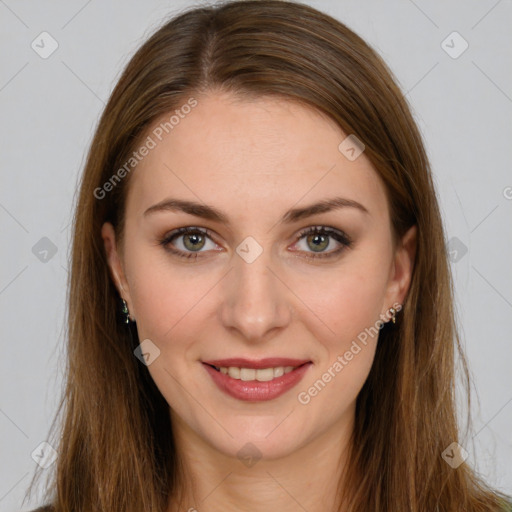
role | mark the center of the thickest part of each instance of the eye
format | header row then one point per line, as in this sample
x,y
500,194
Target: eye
x,y
193,239
319,238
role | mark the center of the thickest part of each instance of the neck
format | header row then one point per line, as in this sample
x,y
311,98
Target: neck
x,y
307,479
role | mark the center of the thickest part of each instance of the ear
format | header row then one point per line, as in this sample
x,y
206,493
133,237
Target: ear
x,y
108,235
401,270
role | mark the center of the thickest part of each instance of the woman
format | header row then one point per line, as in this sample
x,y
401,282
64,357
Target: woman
x,y
260,305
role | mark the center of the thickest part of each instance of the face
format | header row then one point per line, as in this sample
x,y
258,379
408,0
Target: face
x,y
258,274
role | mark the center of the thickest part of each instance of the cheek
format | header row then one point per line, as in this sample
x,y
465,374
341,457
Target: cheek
x,y
344,301
165,303
160,294
347,303
350,309
170,314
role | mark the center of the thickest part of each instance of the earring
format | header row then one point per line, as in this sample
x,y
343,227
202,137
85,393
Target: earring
x,y
126,313
393,313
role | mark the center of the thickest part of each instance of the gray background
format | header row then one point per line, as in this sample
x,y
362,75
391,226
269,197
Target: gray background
x,y
51,105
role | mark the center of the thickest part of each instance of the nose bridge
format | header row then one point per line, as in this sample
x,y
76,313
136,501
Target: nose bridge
x,y
255,301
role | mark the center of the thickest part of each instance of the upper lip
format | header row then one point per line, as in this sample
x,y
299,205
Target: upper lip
x,y
269,362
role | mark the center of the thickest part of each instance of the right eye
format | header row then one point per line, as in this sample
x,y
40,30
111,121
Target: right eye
x,y
193,239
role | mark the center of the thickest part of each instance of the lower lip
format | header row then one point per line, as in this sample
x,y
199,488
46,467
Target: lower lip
x,y
253,390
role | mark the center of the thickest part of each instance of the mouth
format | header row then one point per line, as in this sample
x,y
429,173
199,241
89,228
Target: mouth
x,y
257,380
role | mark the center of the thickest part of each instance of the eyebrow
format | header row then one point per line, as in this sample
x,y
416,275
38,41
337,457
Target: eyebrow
x,y
293,215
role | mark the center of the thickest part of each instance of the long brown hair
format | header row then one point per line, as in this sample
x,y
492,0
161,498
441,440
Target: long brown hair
x,y
115,444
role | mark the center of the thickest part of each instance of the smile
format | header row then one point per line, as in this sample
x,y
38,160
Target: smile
x,y
256,384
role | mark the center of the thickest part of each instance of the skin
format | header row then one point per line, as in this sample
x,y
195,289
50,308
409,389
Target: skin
x,y
254,160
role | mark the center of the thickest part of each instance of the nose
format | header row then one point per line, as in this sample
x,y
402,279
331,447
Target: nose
x,y
255,300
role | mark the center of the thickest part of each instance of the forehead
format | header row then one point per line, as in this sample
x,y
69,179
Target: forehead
x,y
243,153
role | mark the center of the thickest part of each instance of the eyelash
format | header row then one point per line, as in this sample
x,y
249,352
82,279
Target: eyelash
x,y
339,236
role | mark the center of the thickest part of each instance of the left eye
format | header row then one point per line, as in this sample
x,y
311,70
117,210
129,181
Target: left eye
x,y
317,238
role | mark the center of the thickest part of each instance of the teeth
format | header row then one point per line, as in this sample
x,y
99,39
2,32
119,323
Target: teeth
x,y
234,372
280,371
247,373
261,375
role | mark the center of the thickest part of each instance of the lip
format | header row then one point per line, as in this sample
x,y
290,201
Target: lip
x,y
269,362
253,390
